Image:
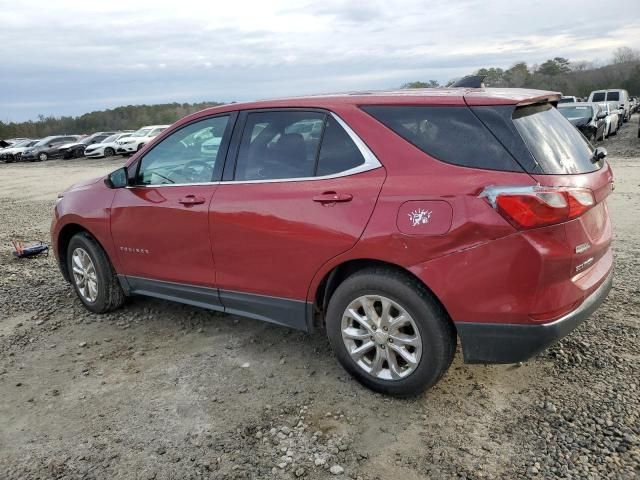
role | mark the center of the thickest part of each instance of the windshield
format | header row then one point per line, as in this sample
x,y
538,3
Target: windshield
x,y
22,143
141,133
566,100
44,141
557,146
613,96
110,139
86,140
576,112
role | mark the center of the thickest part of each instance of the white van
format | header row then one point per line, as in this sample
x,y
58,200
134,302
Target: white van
x,y
613,95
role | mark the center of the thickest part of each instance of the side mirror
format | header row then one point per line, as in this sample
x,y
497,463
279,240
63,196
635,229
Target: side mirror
x,y
601,115
117,179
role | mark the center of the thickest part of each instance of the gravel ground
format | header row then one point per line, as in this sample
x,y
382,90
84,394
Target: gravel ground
x,y
165,391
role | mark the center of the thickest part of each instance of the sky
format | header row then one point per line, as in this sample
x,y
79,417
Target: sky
x,y
68,57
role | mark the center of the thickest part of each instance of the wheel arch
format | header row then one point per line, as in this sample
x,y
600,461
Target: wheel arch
x,y
332,279
62,243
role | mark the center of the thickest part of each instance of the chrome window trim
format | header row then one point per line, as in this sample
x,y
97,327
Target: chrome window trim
x,y
371,162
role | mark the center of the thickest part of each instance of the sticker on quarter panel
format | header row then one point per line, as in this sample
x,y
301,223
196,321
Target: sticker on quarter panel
x,y
424,217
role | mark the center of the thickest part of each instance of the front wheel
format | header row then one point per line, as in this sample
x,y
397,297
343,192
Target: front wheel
x,y
43,157
92,275
389,332
109,152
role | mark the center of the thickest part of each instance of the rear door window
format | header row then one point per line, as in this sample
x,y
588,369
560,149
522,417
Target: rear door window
x,y
279,145
557,146
338,152
613,96
450,134
598,97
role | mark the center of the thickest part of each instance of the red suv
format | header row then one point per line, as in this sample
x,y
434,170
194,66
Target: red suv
x,y
396,221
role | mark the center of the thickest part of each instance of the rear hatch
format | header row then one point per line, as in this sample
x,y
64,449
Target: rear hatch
x,y
562,163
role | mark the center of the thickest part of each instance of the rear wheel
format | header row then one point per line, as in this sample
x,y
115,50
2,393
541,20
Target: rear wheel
x,y
109,152
92,275
389,332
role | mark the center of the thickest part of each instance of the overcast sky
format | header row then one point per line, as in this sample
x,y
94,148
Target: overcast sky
x,y
66,57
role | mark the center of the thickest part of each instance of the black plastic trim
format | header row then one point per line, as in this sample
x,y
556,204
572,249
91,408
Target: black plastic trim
x,y
511,343
282,311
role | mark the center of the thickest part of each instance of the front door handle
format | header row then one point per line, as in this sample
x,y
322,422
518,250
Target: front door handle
x,y
333,197
191,200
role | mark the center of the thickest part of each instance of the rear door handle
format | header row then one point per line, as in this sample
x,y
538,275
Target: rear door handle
x,y
191,200
333,197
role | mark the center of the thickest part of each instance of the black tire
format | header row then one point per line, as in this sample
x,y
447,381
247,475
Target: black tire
x,y
110,294
109,152
139,147
437,333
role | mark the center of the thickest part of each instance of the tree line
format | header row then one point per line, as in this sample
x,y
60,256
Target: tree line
x,y
130,117
561,74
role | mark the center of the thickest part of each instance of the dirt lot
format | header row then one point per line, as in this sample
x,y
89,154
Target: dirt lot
x,y
158,390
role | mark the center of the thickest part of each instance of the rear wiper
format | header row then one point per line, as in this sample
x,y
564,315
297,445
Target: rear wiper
x,y
598,154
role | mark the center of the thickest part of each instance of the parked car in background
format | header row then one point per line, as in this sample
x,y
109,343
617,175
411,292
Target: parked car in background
x,y
613,120
76,149
14,152
589,118
107,147
384,230
138,139
568,99
633,104
613,95
42,150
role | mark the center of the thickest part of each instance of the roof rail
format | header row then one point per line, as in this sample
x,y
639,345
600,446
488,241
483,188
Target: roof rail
x,y
470,81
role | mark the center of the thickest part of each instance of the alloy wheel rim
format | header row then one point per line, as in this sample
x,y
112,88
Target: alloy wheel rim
x,y
84,275
381,337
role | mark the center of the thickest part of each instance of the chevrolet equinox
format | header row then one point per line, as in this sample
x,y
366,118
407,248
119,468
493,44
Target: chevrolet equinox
x,y
395,221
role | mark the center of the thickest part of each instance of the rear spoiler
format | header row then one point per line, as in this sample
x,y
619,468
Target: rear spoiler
x,y
509,96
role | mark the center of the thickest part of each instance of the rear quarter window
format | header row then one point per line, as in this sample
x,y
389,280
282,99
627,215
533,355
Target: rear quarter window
x,y
450,134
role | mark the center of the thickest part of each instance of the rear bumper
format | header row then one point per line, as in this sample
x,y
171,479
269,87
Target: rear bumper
x,y
512,343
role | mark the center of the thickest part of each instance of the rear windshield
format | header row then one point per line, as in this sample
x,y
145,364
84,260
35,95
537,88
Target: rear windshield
x,y
615,96
598,97
566,100
450,134
557,146
577,112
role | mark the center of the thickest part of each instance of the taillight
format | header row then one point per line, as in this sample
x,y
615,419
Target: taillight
x,y
531,207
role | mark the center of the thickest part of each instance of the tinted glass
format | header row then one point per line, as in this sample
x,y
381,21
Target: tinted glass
x,y
450,134
566,100
555,144
615,96
188,155
280,144
577,112
598,97
338,153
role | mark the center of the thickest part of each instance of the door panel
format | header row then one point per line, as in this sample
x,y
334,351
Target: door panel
x,y
158,237
270,238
